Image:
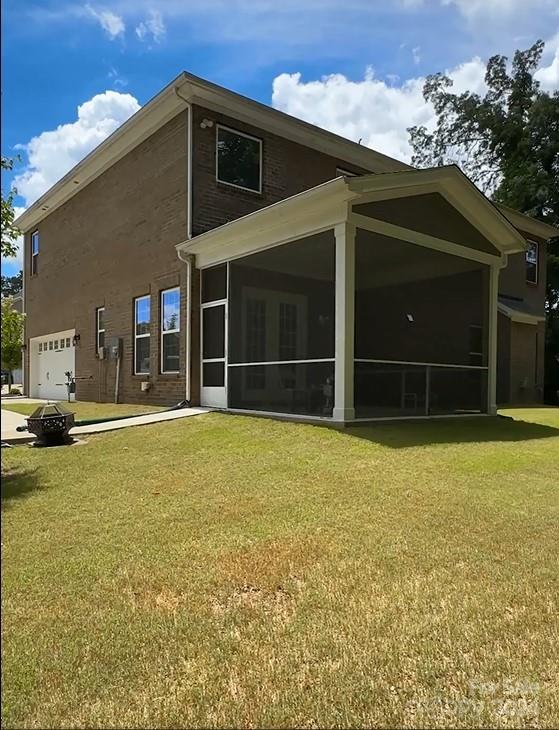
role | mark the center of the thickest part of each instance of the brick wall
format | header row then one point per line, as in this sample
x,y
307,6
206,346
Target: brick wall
x,y
110,243
526,371
114,241
512,279
288,168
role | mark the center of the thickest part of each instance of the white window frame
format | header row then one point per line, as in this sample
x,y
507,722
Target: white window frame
x,y
241,134
98,330
34,254
529,281
146,334
168,332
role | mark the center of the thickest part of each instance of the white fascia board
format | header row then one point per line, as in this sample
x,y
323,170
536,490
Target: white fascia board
x,y
523,317
167,104
133,132
456,188
305,214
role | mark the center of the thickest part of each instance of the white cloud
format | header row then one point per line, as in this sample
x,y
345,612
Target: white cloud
x,y
369,110
152,27
416,54
118,80
52,153
112,24
548,76
488,9
498,8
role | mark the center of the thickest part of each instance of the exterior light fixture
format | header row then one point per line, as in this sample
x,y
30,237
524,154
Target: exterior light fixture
x,y
206,123
410,318
75,340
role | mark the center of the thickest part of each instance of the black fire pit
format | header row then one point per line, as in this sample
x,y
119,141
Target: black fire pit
x,y
50,424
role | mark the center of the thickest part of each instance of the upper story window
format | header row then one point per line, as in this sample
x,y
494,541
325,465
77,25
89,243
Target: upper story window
x,y
100,328
238,159
532,262
34,252
170,329
141,335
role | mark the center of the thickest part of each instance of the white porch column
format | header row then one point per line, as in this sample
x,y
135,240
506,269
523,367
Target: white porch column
x,y
345,321
492,346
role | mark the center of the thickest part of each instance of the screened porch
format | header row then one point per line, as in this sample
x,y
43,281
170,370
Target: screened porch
x,y
362,319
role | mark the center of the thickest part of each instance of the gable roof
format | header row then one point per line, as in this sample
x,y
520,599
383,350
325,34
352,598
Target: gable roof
x,y
323,206
527,224
188,89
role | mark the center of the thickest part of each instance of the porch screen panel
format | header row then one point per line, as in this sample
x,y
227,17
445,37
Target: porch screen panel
x,y
457,391
416,311
281,328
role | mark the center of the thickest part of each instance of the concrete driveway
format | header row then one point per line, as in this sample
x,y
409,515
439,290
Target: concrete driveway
x,y
9,423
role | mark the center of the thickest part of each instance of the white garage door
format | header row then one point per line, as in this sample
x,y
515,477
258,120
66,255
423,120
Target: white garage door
x,y
51,357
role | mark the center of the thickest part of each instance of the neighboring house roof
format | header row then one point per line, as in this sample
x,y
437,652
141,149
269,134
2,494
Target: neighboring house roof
x,y
321,207
519,311
167,104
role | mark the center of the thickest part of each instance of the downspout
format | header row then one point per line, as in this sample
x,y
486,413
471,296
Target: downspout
x,y
189,258
188,347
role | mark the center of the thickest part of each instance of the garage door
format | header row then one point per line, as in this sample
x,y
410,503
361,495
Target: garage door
x,y
51,357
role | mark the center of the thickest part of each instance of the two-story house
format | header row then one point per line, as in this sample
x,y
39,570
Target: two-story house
x,y
218,251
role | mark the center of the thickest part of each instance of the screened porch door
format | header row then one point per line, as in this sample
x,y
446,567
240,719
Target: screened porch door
x,y
214,337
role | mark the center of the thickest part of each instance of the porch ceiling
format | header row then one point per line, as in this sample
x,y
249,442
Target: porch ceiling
x,y
458,217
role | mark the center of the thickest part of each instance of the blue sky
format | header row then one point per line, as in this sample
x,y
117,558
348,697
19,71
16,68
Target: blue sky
x,y
354,66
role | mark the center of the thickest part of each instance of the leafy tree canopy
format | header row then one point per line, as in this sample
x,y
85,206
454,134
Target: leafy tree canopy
x,y
506,141
9,231
12,335
12,285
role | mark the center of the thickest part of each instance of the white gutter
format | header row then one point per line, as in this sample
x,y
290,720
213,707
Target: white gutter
x,y
188,259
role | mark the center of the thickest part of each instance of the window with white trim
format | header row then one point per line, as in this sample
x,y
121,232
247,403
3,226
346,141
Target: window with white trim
x,y
532,262
34,253
170,330
142,307
238,159
100,328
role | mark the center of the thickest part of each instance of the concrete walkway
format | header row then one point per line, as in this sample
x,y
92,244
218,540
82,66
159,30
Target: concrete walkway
x,y
11,420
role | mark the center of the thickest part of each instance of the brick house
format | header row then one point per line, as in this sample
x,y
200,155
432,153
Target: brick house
x,y
215,250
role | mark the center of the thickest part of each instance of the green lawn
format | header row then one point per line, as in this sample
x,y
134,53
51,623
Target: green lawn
x,y
85,410
228,571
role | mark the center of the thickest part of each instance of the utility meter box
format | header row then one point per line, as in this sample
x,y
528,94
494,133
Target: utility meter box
x,y
114,348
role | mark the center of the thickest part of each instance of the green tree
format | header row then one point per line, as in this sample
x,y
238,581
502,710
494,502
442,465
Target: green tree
x,y
9,231
12,336
12,285
507,142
